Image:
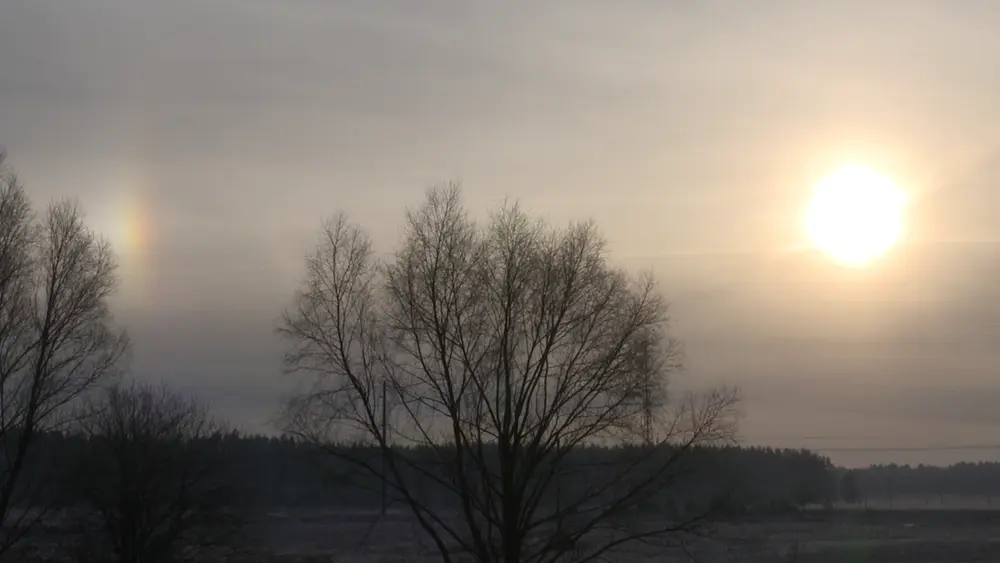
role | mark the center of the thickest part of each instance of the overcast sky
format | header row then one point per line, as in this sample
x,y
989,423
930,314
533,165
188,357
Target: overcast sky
x,y
209,138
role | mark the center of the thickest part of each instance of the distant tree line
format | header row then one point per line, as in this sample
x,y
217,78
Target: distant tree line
x,y
933,484
281,472
269,472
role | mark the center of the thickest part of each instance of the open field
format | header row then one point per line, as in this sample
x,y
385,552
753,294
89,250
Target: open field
x,y
838,536
835,536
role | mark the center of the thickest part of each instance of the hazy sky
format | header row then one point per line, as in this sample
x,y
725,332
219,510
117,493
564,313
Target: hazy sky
x,y
209,138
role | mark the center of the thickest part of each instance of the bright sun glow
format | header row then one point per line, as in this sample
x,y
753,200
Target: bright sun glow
x,y
855,215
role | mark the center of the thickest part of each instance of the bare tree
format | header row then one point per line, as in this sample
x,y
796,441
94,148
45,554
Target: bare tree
x,y
56,339
153,472
509,352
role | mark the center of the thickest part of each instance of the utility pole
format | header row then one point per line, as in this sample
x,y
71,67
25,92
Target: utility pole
x,y
385,446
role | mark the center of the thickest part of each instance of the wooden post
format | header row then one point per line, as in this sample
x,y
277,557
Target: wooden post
x,y
385,451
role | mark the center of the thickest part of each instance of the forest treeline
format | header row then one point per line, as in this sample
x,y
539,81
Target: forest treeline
x,y
269,472
932,483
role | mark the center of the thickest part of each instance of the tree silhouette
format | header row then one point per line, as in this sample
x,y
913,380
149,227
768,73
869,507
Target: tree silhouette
x,y
506,350
56,339
152,469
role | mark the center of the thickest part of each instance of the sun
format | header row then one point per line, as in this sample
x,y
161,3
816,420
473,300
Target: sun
x,y
855,215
